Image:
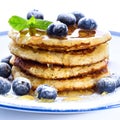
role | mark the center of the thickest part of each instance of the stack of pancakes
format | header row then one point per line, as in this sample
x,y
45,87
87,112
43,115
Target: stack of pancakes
x,y
73,63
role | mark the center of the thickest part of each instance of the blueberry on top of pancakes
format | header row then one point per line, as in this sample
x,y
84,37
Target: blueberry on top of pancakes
x,y
68,19
57,29
87,24
36,13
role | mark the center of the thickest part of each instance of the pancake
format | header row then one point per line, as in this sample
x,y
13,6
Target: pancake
x,y
61,58
75,83
69,43
55,71
71,95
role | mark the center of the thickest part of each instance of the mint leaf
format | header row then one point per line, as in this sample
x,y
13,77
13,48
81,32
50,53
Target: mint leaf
x,y
18,23
42,24
31,22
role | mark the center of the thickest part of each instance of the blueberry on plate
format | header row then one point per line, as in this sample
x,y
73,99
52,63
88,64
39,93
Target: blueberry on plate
x,y
21,86
106,84
46,92
87,24
7,60
57,29
78,15
116,79
5,70
5,86
68,19
36,13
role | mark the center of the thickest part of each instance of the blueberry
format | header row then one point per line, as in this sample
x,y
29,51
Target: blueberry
x,y
57,29
116,79
5,86
10,78
21,86
36,13
78,15
106,84
118,82
87,23
46,92
7,60
5,70
68,19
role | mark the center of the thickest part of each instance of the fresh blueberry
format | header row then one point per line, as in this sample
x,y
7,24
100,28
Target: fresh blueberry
x,y
116,79
10,78
118,82
68,19
106,84
5,70
87,23
7,60
36,13
46,92
21,86
57,29
5,86
78,15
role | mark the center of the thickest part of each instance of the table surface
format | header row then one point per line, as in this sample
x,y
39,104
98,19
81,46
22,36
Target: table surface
x,y
96,9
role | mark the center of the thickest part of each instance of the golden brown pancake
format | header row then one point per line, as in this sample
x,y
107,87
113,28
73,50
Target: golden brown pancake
x,y
75,83
72,42
70,64
55,71
74,94
61,58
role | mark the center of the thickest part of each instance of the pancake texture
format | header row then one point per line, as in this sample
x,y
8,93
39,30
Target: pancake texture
x,y
54,71
67,59
72,64
75,83
70,43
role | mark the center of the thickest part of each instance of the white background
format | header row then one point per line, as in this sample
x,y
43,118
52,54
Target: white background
x,y
105,12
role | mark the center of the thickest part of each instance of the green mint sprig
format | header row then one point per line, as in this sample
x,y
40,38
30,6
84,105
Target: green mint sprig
x,y
19,23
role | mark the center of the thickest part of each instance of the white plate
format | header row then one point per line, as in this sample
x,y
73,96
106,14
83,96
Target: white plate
x,y
84,104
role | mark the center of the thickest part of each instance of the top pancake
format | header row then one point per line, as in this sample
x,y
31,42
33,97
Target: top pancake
x,y
71,42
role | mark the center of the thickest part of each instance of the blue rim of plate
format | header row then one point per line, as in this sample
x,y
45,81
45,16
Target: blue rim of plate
x,y
44,110
2,33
